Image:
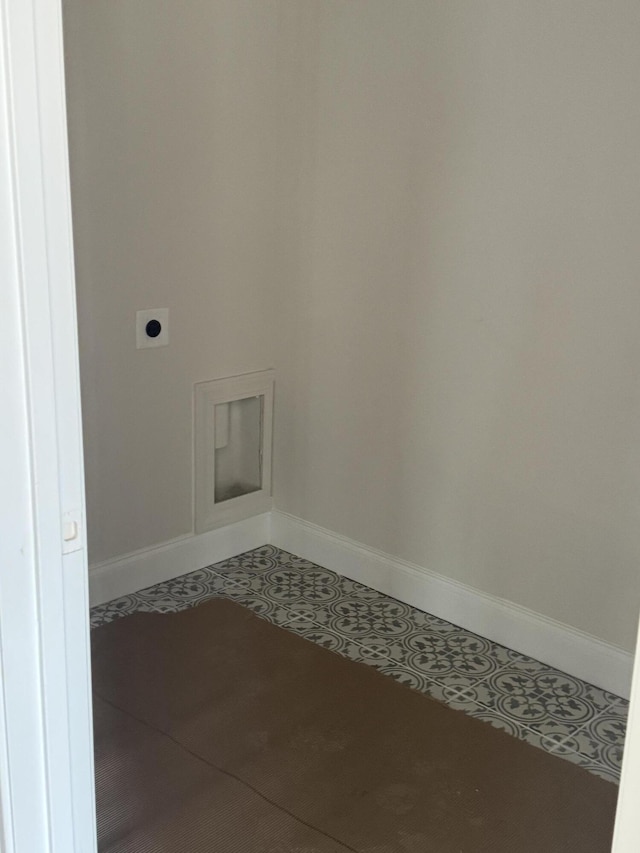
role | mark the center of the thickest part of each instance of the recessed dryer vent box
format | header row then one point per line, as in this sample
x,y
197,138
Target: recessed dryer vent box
x,y
233,433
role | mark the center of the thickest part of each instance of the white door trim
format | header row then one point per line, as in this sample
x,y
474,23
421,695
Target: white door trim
x,y
626,838
46,756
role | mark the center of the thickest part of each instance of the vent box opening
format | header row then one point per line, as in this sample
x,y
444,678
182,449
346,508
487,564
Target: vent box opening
x,y
238,448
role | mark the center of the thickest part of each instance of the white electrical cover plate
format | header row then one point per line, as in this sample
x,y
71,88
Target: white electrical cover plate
x,y
142,318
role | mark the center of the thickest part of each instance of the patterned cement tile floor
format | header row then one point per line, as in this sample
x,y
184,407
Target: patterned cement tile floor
x,y
530,700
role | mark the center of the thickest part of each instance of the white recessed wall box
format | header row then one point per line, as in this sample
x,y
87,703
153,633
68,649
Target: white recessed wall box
x,y
152,328
233,435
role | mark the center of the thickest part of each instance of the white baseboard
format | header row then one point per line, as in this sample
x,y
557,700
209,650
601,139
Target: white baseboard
x,y
163,562
555,643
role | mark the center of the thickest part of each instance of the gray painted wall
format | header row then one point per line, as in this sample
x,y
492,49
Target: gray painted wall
x,y
425,215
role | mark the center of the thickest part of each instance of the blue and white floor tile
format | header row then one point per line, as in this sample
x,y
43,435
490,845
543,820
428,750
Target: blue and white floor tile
x,y
531,701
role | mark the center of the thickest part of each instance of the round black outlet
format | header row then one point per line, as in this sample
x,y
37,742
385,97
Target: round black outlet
x,y
153,328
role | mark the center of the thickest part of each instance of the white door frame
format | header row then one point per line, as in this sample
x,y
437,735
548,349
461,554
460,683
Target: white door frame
x,y
626,838
46,745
